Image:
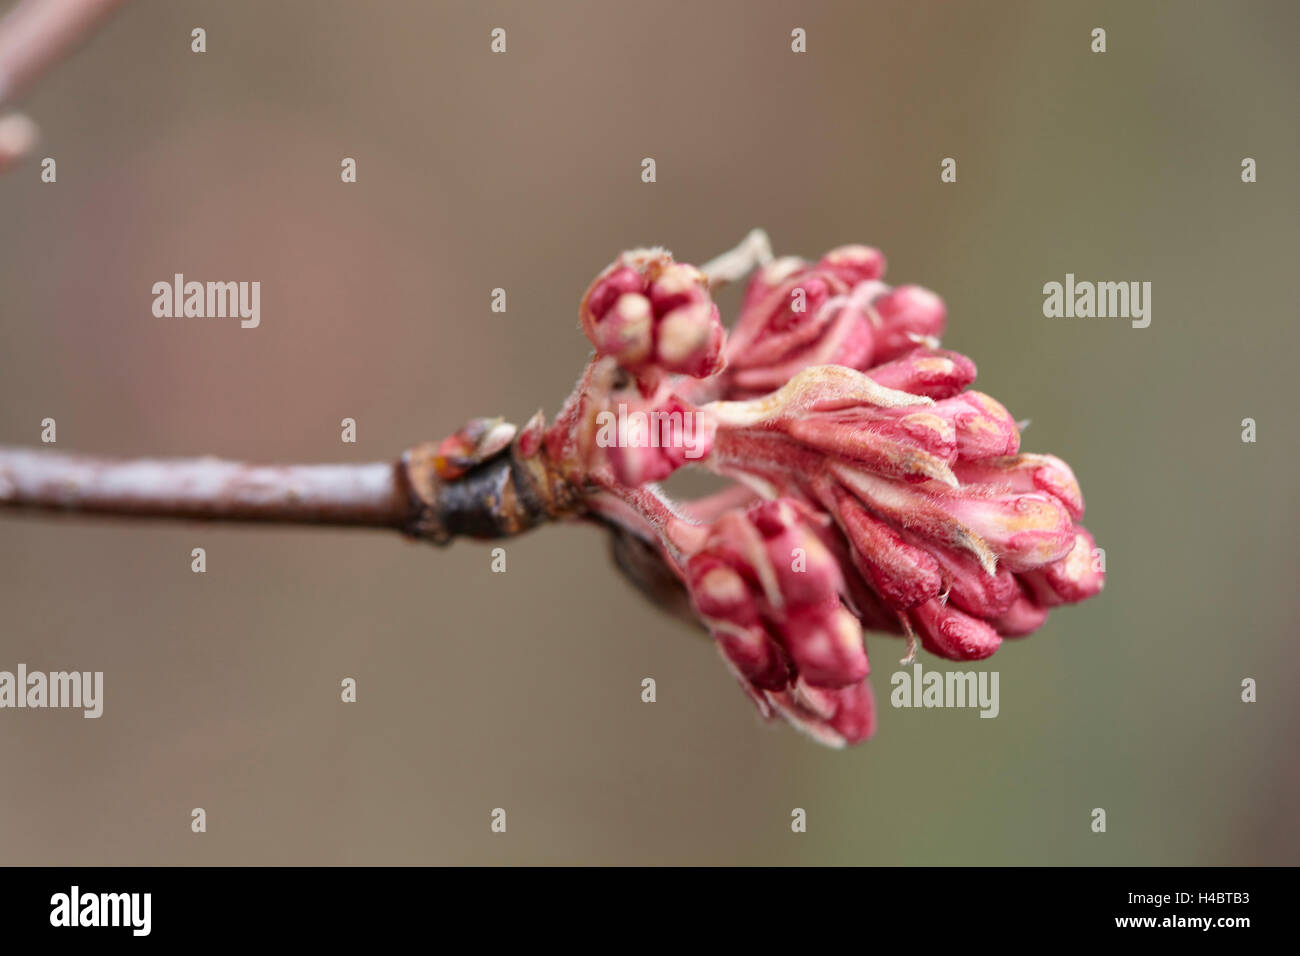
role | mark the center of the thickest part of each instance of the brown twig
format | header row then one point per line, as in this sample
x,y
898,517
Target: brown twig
x,y
204,489
501,497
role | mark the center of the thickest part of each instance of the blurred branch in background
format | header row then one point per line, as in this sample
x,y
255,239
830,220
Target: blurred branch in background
x,y
35,35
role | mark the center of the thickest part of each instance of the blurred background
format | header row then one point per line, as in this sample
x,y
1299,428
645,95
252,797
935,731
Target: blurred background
x,y
522,171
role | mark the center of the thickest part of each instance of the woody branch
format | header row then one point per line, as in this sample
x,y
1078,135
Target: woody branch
x,y
499,496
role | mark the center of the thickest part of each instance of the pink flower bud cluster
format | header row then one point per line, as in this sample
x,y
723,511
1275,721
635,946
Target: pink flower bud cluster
x,y
836,311
891,495
650,313
770,592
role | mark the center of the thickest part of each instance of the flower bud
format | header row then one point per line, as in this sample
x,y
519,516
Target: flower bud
x,y
618,281
845,340
912,447
724,600
903,316
690,340
949,633
804,570
1074,578
901,573
626,331
793,317
1026,531
1021,531
854,264
1023,617
650,313
924,371
834,717
1025,472
784,577
675,284
969,587
984,429
825,641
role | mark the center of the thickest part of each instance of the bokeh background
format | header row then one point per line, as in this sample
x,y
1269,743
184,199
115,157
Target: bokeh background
x,y
522,690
